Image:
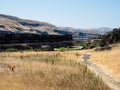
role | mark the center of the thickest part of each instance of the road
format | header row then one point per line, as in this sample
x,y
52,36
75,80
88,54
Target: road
x,y
101,71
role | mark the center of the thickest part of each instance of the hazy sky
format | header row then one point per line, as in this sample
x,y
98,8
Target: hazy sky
x,y
68,13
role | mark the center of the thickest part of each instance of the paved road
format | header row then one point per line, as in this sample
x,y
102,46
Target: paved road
x,y
102,72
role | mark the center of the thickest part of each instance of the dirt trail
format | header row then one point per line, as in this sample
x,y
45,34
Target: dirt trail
x,y
102,72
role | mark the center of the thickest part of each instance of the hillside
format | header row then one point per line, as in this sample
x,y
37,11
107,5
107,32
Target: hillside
x,y
18,25
87,30
109,59
83,33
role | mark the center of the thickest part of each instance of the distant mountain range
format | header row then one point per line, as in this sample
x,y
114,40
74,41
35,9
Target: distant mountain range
x,y
83,33
17,25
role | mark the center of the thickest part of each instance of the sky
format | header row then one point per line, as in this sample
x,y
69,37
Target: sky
x,y
66,13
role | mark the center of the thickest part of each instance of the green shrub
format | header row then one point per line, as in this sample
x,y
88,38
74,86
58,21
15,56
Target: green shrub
x,y
11,50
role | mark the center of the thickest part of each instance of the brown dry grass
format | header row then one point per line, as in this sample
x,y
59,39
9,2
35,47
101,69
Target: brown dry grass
x,y
109,59
46,71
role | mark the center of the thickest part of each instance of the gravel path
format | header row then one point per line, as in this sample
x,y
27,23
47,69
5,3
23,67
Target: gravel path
x,y
102,72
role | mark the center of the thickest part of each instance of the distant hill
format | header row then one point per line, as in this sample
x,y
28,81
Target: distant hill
x,y
17,25
83,33
93,30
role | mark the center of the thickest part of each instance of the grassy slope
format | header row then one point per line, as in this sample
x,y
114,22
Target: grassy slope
x,y
46,71
109,59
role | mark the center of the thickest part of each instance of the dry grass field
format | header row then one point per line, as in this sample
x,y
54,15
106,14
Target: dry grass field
x,y
110,59
46,71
